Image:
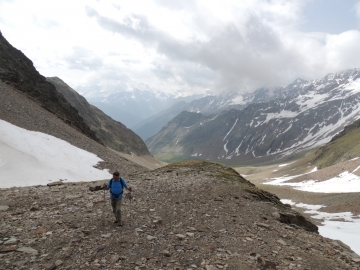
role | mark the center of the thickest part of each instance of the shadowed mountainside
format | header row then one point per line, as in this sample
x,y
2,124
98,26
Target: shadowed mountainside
x,y
263,132
18,70
112,133
153,125
23,112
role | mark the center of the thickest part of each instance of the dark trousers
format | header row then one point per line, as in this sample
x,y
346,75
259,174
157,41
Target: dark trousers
x,y
116,206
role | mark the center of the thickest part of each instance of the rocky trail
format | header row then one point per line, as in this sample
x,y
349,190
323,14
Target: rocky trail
x,y
190,215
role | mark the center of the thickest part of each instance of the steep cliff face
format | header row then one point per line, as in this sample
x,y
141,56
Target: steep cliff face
x,y
112,133
17,70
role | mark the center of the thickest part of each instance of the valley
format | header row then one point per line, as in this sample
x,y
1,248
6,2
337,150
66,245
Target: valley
x,y
308,115
330,197
298,146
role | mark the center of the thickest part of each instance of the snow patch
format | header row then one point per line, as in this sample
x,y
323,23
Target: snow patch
x,y
347,232
356,169
282,114
225,148
285,164
231,129
343,183
353,87
239,100
33,158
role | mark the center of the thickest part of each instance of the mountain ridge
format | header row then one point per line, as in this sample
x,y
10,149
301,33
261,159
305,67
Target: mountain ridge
x,y
18,70
112,133
215,104
308,117
30,102
137,104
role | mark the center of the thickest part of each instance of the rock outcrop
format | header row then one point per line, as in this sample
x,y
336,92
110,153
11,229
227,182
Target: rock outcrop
x,y
18,71
112,133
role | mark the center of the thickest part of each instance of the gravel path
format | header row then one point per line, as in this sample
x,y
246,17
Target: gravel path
x,y
183,216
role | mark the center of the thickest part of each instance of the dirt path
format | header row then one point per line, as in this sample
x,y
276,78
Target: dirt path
x,y
189,216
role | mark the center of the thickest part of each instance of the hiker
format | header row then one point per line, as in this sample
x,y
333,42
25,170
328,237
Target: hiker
x,y
116,186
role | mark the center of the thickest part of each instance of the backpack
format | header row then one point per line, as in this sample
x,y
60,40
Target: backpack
x,y
116,196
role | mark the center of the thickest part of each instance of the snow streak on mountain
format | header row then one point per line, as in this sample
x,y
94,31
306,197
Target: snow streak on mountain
x,y
305,115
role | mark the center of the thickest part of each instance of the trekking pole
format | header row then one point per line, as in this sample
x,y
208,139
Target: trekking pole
x,y
104,195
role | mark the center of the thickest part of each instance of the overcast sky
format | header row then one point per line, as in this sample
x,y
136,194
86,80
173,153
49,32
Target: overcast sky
x,y
184,46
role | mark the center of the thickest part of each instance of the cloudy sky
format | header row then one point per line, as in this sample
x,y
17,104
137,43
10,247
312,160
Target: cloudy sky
x,y
184,46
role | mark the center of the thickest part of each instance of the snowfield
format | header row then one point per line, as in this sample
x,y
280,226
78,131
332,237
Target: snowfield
x,y
345,182
33,158
348,231
344,225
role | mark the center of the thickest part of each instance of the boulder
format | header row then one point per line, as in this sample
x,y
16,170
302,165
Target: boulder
x,y
299,220
57,183
4,207
28,250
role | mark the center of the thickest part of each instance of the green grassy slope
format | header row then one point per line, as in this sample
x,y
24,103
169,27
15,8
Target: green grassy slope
x,y
344,146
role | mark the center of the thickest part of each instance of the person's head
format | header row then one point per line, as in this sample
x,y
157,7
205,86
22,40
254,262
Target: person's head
x,y
116,175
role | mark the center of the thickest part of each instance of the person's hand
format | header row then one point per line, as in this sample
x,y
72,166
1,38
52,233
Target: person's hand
x,y
104,186
129,189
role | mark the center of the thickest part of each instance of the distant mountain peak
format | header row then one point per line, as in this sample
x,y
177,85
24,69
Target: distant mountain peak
x,y
272,124
298,81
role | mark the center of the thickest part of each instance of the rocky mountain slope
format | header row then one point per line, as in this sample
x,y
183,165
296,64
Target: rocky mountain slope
x,y
177,220
112,133
211,104
18,71
132,107
118,113
154,124
30,102
226,101
311,114
344,146
23,112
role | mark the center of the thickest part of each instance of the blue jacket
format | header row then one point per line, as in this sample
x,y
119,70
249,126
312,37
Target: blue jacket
x,y
116,189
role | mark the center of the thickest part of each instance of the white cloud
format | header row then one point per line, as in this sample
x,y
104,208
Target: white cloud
x,y
357,11
171,45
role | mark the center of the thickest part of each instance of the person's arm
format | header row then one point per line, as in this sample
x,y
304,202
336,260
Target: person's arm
x,y
126,185
106,186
